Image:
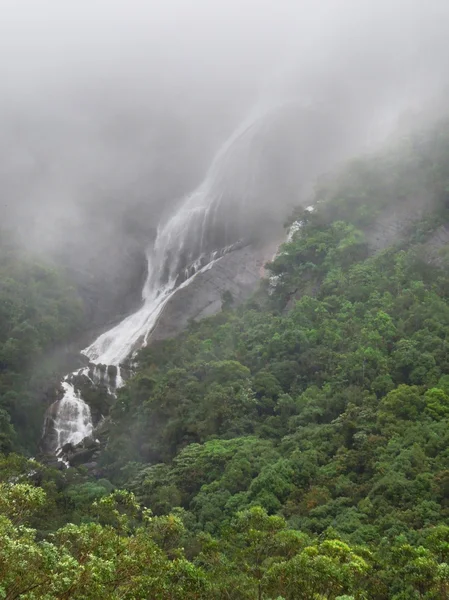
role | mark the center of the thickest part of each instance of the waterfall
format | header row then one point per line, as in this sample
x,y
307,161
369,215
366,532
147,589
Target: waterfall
x,y
208,223
73,421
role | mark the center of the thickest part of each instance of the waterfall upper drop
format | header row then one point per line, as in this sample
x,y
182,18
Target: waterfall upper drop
x,y
208,223
220,215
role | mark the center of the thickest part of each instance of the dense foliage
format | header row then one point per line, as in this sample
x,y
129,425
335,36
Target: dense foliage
x,y
37,310
295,447
123,551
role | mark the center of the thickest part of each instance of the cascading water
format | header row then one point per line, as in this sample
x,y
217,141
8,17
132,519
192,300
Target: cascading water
x,y
208,223
74,420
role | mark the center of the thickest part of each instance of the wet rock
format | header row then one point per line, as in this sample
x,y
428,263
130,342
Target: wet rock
x,y
112,371
101,431
81,457
88,442
125,371
53,463
236,274
67,448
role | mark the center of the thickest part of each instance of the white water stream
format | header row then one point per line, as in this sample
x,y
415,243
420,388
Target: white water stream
x,y
207,224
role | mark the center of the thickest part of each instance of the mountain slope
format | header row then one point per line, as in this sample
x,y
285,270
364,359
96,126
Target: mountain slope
x,y
326,400
294,446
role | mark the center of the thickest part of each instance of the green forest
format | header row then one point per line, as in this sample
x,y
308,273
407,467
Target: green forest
x,y
38,310
294,447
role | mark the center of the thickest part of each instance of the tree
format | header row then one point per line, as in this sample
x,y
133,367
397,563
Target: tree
x,y
325,570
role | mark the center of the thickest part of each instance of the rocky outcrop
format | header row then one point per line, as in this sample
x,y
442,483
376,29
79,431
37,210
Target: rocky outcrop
x,y
438,240
238,273
394,222
85,453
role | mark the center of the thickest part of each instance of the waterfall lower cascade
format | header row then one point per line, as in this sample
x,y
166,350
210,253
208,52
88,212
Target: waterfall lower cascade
x,y
208,223
74,420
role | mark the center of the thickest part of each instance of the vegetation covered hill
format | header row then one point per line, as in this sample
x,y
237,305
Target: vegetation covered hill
x,y
295,447
38,310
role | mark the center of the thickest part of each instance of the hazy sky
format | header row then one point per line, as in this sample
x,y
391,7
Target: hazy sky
x,y
62,44
122,103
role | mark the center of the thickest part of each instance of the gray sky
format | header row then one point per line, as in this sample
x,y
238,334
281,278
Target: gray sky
x,y
66,44
120,104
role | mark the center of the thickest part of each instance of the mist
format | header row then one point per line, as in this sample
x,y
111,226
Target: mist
x,y
112,111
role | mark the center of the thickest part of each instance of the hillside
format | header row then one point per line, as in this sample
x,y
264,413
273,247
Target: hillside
x,y
39,313
294,446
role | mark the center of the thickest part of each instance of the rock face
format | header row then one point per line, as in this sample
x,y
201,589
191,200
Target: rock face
x,y
238,272
393,223
85,452
437,241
